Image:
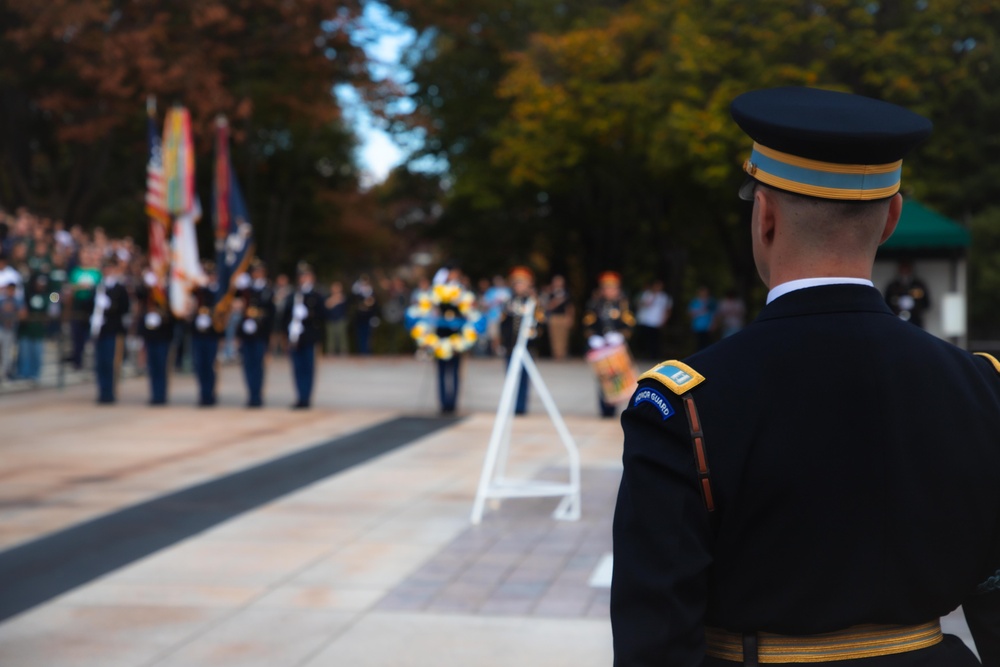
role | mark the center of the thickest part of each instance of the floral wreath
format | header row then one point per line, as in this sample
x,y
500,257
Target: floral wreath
x,y
450,307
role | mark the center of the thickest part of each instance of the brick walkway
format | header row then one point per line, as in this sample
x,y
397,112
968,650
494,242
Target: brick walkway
x,y
519,561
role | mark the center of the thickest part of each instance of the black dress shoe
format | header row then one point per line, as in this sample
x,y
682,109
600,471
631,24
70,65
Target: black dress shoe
x,y
300,406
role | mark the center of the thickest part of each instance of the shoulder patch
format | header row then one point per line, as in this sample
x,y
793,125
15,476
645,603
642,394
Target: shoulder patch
x,y
676,376
993,360
655,398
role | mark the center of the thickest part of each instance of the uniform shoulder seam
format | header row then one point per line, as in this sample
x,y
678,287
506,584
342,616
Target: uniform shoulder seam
x,y
675,375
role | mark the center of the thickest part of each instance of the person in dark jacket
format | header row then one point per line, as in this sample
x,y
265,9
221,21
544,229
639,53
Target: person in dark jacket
x,y
156,325
821,486
522,284
205,335
302,320
607,321
107,327
255,326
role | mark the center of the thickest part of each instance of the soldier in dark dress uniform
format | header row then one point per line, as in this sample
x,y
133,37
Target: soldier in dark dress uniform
x,y
820,487
156,325
607,320
908,296
205,336
522,284
107,327
256,324
302,320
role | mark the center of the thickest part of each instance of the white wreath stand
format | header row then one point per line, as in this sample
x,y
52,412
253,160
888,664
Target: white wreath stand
x,y
493,483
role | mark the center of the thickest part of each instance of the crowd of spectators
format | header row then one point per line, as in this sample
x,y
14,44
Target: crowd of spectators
x,y
48,276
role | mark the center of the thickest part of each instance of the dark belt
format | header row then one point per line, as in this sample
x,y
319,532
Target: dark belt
x,y
860,641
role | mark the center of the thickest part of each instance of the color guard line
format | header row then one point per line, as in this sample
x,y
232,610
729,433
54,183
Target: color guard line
x,y
37,571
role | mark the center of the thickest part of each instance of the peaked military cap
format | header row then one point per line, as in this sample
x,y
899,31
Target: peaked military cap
x,y
826,144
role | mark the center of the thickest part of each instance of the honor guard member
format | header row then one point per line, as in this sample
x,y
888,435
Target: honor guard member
x,y
205,336
908,296
820,487
107,327
255,328
156,325
607,320
302,320
522,285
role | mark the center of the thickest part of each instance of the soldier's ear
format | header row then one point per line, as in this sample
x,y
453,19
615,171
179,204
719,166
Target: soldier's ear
x,y
765,213
892,217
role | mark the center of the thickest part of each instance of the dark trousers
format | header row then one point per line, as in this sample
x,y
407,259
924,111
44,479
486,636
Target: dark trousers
x,y
448,383
364,330
204,350
157,352
253,350
304,371
521,404
105,351
79,331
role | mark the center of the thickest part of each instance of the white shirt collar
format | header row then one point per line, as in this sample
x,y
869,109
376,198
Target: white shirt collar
x,y
803,283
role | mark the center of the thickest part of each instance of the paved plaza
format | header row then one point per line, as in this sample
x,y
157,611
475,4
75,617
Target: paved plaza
x,y
141,536
376,564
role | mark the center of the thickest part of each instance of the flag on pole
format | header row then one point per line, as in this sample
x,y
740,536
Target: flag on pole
x,y
156,209
183,205
178,161
234,243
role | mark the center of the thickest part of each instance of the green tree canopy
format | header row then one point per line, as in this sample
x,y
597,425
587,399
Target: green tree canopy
x,y
614,115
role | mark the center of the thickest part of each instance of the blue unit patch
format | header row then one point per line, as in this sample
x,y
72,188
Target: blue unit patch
x,y
647,395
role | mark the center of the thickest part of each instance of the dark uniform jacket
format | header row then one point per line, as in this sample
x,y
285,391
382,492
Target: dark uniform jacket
x,y
513,314
156,323
604,316
114,314
202,317
257,320
312,323
855,466
908,299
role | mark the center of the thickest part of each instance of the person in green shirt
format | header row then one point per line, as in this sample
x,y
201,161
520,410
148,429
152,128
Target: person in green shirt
x,y
31,332
83,281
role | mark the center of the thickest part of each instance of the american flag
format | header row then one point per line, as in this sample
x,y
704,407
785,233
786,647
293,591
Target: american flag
x,y
156,200
156,209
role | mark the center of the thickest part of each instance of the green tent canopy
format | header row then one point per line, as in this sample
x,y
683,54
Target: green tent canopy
x,y
921,228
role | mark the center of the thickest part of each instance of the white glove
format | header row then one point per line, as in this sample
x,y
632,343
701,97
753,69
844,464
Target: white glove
x,y
596,342
614,338
243,281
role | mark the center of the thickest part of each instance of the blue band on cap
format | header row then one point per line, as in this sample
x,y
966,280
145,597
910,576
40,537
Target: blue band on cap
x,y
827,180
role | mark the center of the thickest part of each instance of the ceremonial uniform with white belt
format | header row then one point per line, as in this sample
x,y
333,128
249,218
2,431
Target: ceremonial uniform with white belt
x,y
157,329
822,486
107,328
205,342
302,320
255,328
